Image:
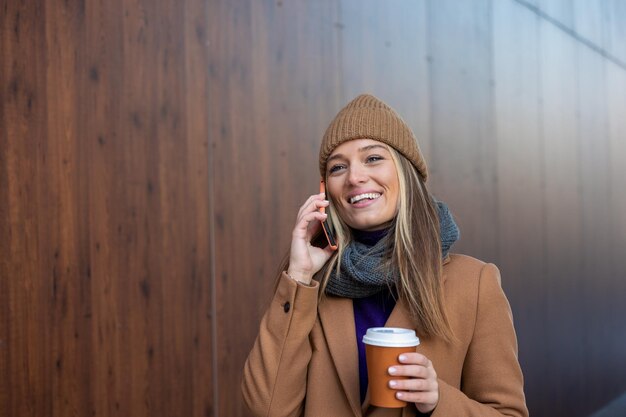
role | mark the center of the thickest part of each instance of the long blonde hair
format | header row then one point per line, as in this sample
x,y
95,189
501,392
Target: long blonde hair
x,y
416,252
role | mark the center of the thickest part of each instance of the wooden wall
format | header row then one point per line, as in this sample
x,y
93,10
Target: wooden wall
x,y
105,226
153,156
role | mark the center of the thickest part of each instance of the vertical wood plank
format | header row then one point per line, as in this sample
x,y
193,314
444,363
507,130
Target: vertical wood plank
x,y
613,332
67,220
104,137
24,307
231,134
462,146
597,304
200,262
520,179
564,341
273,70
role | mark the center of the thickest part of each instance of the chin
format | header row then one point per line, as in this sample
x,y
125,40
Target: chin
x,y
370,225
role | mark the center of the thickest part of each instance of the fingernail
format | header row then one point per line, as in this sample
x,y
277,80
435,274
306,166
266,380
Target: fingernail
x,y
392,370
392,383
402,358
399,394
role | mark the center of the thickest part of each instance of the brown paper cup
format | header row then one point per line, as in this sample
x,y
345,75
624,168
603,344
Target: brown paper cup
x,y
382,351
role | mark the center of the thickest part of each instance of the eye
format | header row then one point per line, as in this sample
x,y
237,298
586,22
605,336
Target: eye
x,y
374,158
335,168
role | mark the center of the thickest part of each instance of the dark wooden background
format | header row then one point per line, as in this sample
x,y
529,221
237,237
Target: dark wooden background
x,y
153,155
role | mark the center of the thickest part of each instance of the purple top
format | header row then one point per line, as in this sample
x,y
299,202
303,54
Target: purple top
x,y
372,311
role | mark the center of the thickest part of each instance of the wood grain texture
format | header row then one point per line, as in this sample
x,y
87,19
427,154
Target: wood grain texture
x,y
273,70
24,305
106,261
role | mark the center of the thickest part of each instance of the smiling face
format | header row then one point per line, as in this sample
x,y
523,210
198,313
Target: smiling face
x,y
362,179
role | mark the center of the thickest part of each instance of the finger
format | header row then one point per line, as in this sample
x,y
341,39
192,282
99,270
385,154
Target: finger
x,y
309,214
315,225
308,202
419,398
314,205
414,384
303,223
414,358
415,371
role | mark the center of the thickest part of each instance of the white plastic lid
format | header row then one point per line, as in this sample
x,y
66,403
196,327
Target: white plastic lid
x,y
391,337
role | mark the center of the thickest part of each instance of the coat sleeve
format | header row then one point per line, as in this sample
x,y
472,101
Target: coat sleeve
x,y
492,383
275,373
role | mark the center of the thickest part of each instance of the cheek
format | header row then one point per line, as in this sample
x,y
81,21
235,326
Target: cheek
x,y
395,200
332,192
394,188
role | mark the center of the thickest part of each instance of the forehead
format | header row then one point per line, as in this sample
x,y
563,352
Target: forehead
x,y
357,146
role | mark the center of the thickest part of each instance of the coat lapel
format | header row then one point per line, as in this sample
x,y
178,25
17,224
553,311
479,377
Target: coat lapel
x,y
337,318
400,318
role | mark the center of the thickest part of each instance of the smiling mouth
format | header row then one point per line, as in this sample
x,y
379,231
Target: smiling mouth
x,y
364,196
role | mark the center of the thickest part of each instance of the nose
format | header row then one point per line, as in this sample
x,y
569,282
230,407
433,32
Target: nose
x,y
356,175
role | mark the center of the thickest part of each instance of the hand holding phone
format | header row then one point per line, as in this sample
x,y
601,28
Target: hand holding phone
x,y
330,237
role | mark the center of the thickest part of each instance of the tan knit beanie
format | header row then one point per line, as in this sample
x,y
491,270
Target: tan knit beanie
x,y
367,117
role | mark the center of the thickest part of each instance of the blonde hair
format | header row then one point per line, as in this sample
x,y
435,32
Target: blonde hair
x,y
417,252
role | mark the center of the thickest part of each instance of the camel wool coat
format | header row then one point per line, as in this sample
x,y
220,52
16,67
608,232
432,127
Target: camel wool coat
x,y
304,361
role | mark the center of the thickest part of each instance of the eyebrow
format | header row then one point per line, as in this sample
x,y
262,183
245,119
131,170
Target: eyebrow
x,y
360,150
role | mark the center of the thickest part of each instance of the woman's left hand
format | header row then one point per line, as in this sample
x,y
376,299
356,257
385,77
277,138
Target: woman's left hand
x,y
421,387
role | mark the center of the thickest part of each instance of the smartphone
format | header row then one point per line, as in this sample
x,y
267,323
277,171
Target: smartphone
x,y
327,230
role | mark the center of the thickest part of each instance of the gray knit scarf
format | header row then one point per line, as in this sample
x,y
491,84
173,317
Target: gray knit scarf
x,y
362,273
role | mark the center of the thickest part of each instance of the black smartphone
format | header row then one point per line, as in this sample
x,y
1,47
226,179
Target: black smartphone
x,y
330,237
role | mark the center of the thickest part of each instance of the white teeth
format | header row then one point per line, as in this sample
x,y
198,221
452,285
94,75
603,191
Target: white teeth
x,y
363,196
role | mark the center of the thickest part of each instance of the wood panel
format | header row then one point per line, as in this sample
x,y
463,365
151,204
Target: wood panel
x,y
564,348
462,147
25,381
521,175
273,88
612,288
105,264
594,304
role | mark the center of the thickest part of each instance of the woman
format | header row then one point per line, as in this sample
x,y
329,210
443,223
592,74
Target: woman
x,y
393,238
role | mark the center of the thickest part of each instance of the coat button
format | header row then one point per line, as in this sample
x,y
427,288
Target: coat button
x,y
286,307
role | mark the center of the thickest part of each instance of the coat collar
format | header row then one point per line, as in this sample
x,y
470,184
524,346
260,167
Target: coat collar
x,y
337,319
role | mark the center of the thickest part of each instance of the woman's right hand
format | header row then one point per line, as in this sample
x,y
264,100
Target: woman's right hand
x,y
305,259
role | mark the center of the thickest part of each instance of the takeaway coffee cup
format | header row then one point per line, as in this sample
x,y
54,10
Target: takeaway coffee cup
x,y
383,345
